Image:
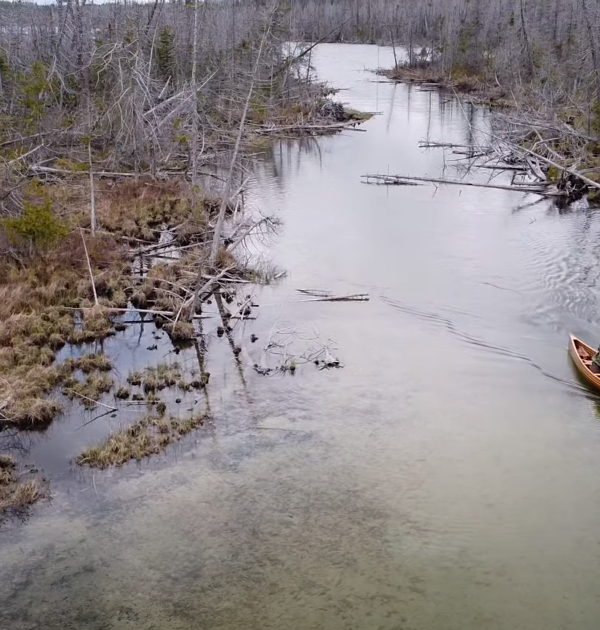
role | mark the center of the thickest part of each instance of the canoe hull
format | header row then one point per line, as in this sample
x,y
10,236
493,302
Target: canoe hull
x,y
581,353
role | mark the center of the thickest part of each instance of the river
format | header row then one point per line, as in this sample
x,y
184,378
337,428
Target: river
x,y
447,477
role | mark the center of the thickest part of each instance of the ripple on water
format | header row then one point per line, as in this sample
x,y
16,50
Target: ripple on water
x,y
560,263
446,323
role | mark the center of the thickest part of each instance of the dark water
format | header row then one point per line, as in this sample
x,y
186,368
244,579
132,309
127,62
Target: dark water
x,y
447,478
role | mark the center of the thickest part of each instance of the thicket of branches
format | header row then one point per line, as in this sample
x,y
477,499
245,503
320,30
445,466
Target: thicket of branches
x,y
549,45
138,87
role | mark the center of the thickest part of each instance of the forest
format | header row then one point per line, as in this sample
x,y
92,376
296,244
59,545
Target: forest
x,y
535,62
547,50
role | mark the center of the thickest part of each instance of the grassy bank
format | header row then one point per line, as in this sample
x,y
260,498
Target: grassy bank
x,y
458,80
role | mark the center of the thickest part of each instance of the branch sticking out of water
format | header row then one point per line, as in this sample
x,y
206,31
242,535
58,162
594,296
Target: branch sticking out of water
x,y
355,297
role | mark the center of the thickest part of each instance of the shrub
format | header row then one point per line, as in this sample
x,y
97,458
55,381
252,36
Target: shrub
x,y
37,226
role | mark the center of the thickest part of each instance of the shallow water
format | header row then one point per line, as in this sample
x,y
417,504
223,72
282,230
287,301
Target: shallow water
x,y
447,478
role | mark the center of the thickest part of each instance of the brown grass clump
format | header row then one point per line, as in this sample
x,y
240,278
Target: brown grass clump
x,y
97,321
157,378
96,325
17,494
421,73
22,401
88,392
135,378
123,393
7,461
140,209
35,329
226,259
139,299
180,331
152,398
147,436
88,363
200,383
32,413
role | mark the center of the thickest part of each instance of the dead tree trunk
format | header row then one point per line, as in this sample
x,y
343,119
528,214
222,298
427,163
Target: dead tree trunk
x,y
216,244
194,147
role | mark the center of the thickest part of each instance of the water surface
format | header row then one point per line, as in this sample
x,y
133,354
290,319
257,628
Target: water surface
x,y
446,478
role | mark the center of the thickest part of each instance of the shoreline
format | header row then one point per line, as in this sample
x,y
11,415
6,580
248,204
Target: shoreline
x,y
549,146
67,290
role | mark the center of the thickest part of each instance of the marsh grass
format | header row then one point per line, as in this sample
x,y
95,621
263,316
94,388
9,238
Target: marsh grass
x,y
89,391
140,209
23,391
47,298
16,493
123,393
88,363
38,316
180,331
147,436
152,380
157,378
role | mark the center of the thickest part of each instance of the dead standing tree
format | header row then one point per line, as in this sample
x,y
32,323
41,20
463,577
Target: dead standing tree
x,y
201,287
230,175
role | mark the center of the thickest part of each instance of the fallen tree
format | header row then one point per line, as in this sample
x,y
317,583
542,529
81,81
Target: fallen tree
x,y
400,180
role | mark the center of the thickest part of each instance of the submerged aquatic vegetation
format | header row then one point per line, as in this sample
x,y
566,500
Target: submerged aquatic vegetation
x,y
148,435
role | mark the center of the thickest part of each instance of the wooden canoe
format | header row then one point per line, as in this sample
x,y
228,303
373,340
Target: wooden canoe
x,y
582,355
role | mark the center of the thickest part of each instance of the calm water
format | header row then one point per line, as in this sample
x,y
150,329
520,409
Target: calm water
x,y
447,478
